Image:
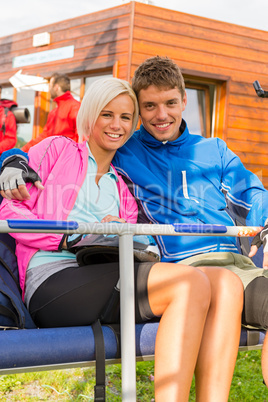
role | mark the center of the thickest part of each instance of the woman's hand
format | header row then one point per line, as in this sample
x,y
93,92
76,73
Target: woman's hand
x,y
110,218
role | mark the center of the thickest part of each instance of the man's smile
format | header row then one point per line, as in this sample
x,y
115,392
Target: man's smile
x,y
162,125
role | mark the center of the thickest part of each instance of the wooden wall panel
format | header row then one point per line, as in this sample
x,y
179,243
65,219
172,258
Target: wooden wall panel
x,y
255,136
99,40
213,48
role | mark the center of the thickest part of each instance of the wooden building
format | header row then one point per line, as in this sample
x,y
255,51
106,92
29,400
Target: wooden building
x,y
220,62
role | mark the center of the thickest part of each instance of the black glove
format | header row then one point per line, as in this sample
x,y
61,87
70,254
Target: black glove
x,y
261,238
16,171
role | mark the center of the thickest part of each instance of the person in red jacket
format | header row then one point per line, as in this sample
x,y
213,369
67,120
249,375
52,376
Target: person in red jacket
x,y
62,119
8,126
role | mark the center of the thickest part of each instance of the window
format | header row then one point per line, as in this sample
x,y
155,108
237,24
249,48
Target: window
x,y
76,88
199,112
7,93
207,95
79,86
93,78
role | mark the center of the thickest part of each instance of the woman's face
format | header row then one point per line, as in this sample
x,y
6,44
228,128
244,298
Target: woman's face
x,y
114,124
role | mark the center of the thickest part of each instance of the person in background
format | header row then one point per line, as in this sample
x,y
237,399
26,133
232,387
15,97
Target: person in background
x,y
8,125
200,308
62,119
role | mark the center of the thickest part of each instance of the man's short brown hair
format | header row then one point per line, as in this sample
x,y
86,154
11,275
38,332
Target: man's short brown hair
x,y
62,80
159,71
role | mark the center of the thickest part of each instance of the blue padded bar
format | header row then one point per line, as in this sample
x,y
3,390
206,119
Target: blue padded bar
x,y
42,224
146,334
52,346
47,346
244,336
145,338
199,228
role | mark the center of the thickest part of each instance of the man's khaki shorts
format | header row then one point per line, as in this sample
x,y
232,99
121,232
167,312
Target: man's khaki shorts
x,y
237,263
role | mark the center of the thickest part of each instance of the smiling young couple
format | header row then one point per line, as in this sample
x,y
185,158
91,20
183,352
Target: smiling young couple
x,y
173,180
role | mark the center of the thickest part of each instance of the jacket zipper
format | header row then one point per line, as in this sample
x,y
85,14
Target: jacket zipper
x,y
184,185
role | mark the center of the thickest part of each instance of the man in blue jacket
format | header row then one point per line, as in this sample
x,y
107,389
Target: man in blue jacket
x,y
185,178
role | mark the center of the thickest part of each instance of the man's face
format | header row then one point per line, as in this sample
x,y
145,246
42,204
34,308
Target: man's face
x,y
52,89
161,112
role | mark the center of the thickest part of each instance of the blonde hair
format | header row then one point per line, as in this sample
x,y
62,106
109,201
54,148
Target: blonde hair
x,y
98,95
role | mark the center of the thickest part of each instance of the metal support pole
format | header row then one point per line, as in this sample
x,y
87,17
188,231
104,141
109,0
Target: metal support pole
x,y
127,317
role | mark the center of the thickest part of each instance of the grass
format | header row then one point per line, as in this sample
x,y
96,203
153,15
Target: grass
x,y
78,384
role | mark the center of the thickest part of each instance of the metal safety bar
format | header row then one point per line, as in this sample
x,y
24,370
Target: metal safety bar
x,y
71,227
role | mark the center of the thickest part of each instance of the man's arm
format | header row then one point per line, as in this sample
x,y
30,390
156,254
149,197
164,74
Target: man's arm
x,y
14,173
245,191
12,152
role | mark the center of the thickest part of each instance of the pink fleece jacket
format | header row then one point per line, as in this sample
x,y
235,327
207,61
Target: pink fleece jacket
x,y
62,165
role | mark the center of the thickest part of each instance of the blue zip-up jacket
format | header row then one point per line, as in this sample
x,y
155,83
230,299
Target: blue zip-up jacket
x,y
191,180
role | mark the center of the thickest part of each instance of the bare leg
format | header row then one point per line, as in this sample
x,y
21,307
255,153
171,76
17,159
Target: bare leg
x,y
219,347
264,360
182,297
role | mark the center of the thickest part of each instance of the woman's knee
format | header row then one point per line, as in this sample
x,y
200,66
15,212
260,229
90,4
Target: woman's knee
x,y
201,291
173,283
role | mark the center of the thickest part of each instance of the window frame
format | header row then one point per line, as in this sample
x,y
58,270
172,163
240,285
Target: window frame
x,y
216,115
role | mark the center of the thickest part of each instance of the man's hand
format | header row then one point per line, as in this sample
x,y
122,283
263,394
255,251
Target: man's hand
x,y
259,239
14,173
